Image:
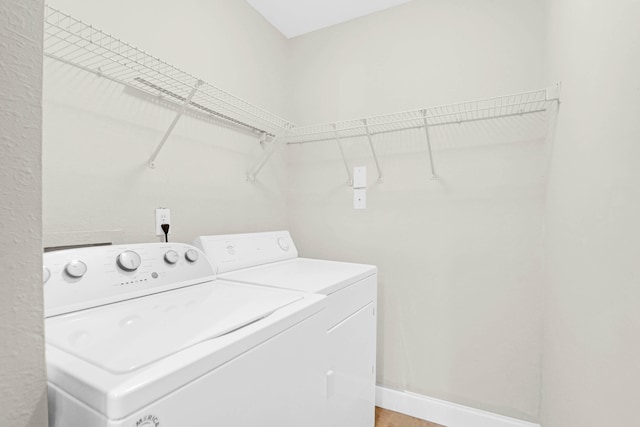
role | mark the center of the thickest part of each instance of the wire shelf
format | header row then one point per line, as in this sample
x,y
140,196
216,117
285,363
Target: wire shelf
x,y
76,43
491,108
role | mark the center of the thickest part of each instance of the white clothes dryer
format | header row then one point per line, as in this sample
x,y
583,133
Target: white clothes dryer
x,y
143,336
271,259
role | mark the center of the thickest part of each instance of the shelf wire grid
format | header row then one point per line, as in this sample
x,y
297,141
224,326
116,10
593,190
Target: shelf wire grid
x,y
518,104
76,43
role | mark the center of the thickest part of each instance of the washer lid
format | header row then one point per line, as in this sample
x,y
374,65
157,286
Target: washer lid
x,y
303,274
128,335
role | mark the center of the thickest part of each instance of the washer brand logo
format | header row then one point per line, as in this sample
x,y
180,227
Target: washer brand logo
x,y
148,421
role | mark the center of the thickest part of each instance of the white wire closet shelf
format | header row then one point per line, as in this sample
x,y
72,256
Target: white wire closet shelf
x,y
536,101
74,42
519,104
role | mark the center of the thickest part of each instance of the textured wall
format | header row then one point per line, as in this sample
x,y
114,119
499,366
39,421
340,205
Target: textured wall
x,y
460,258
592,346
22,372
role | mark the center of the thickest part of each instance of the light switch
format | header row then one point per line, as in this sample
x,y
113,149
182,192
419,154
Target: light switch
x,y
360,177
360,198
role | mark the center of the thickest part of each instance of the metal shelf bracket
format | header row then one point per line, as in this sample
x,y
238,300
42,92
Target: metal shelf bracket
x,y
263,138
268,152
373,150
426,133
344,159
176,119
553,93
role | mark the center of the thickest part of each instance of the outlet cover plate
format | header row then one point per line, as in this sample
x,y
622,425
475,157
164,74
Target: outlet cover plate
x,y
163,216
360,198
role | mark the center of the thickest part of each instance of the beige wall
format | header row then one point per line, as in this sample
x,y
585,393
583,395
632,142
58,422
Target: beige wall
x,y
22,370
591,348
420,54
98,135
460,258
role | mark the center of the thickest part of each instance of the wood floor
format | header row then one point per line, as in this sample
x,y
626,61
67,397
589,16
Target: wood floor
x,y
386,418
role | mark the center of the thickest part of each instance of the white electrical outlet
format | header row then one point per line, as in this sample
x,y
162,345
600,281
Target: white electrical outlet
x,y
360,198
163,216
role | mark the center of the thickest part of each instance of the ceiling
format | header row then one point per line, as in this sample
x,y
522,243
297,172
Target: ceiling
x,y
296,17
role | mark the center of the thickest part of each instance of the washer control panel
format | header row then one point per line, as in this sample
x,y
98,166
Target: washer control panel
x,y
77,279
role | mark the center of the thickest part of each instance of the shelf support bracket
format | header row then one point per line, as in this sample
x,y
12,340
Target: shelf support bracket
x,y
344,159
263,138
426,133
373,151
255,170
183,108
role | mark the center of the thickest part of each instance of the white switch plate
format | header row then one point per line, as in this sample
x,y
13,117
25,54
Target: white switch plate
x,y
163,216
360,198
360,177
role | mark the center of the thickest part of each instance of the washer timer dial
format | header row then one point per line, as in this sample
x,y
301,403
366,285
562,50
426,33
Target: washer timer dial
x,y
129,261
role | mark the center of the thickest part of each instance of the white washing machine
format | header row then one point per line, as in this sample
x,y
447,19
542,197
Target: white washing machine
x,y
143,336
270,259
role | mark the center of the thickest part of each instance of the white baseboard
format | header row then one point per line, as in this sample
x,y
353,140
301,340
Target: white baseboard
x,y
442,412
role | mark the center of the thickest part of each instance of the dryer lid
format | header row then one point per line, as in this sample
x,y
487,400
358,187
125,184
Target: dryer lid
x,y
126,336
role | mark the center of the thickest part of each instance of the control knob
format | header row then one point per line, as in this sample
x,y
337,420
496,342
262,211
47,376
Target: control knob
x,y
171,257
283,243
191,255
46,274
76,269
129,261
